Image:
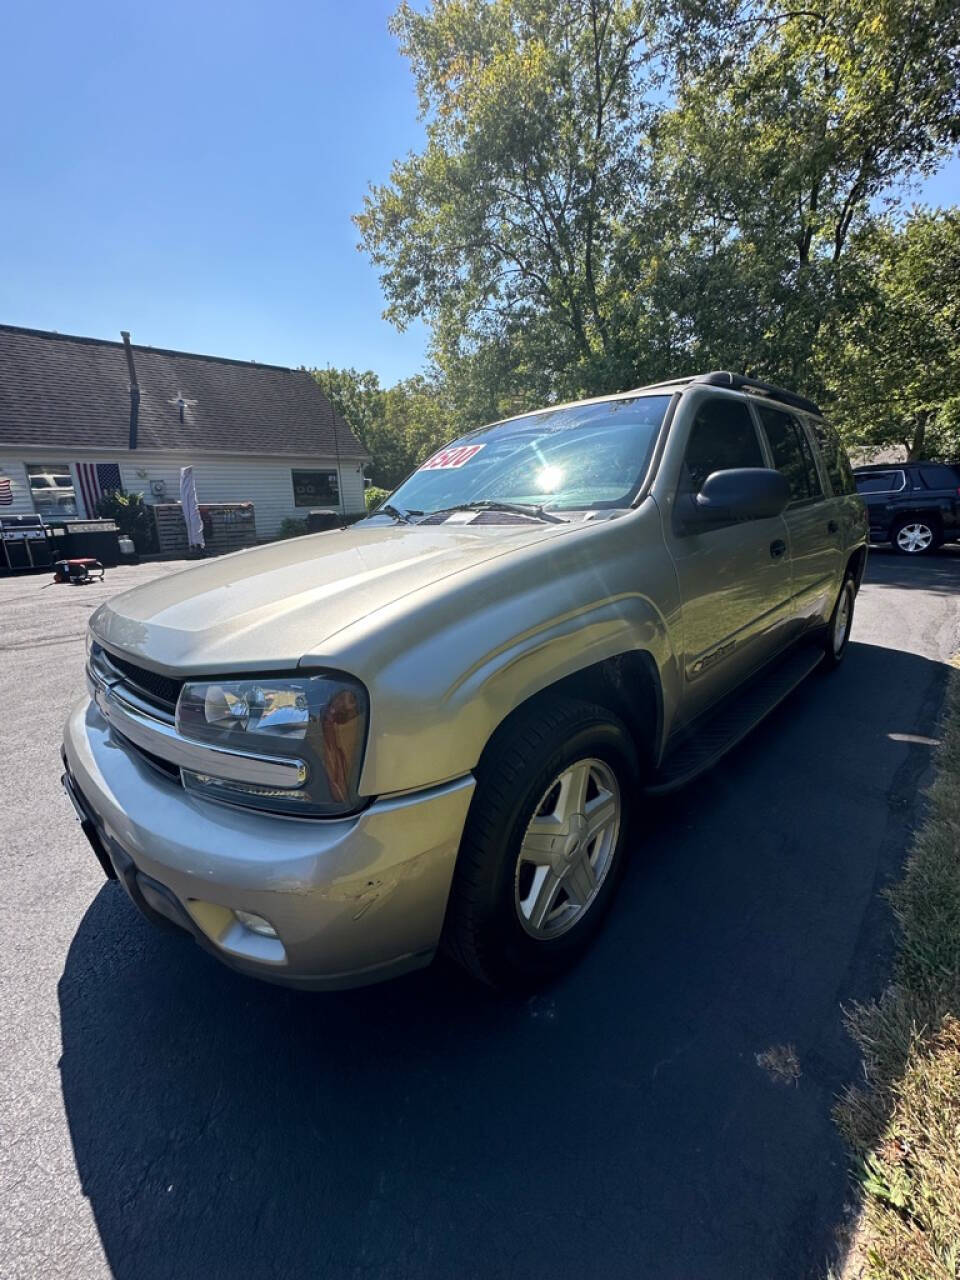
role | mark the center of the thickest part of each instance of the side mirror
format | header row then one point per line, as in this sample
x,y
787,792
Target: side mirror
x,y
746,493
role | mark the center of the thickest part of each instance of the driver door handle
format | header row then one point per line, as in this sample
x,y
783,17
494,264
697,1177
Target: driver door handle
x,y
777,548
832,527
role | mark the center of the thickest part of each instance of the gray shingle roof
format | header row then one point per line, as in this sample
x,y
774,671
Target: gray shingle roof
x,y
74,393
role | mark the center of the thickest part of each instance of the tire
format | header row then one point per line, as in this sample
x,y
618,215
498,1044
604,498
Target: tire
x,y
915,536
502,924
838,628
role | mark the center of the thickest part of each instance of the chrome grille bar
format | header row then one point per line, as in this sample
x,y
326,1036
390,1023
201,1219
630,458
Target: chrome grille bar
x,y
141,724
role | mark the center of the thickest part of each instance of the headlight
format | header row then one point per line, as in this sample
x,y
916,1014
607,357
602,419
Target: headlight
x,y
320,721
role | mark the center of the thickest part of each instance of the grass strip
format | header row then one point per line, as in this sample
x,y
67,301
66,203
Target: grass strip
x,y
903,1122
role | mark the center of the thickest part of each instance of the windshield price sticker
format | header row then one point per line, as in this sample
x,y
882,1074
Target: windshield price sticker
x,y
451,459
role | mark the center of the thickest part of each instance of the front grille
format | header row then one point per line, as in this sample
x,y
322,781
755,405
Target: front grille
x,y
162,690
166,767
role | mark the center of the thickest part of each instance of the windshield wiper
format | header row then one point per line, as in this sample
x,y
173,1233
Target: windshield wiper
x,y
403,517
514,508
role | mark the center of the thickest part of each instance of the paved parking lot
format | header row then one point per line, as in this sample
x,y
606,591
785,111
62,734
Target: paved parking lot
x,y
163,1117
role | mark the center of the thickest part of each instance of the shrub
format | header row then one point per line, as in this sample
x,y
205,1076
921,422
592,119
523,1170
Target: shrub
x,y
374,496
292,528
131,515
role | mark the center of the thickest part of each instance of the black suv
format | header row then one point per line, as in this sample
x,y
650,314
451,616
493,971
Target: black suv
x,y
915,506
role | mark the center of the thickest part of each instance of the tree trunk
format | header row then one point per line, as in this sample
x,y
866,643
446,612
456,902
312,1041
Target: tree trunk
x,y
918,438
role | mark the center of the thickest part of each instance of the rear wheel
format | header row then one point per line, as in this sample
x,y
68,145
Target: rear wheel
x,y
840,625
543,845
915,536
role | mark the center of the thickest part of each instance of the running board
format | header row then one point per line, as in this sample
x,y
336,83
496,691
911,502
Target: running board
x,y
702,745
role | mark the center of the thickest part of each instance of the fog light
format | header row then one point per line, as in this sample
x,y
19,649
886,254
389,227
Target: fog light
x,y
255,923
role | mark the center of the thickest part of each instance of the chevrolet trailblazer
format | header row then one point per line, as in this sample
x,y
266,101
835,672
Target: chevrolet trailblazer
x,y
329,757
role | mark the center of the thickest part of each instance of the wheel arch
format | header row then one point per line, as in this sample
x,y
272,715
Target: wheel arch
x,y
856,566
933,518
626,684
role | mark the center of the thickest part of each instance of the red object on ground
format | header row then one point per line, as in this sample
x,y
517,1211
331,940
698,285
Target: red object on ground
x,y
77,571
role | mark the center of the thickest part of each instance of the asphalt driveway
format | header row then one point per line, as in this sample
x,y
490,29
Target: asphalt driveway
x,y
163,1117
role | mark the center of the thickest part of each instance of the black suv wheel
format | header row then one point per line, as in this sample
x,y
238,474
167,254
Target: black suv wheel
x,y
915,535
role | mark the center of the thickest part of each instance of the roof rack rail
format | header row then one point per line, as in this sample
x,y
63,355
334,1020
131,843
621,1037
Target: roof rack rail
x,y
740,382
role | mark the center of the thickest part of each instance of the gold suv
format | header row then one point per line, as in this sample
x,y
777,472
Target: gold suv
x,y
328,757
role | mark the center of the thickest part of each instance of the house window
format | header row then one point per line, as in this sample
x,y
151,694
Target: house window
x,y
51,488
315,489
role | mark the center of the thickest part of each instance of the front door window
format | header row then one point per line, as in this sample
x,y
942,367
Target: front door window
x,y
722,438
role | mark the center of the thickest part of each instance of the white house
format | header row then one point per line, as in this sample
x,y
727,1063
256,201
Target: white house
x,y
80,416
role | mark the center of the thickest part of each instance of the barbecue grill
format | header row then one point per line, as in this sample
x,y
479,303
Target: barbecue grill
x,y
24,543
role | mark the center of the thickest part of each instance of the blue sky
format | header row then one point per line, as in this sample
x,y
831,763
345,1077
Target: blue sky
x,y
188,171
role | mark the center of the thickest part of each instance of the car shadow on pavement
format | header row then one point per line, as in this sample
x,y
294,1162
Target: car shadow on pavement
x,y
939,573
662,1111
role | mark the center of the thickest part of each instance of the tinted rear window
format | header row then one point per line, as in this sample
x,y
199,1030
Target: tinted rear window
x,y
880,481
792,455
835,458
940,476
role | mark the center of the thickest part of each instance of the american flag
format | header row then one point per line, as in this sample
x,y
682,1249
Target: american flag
x,y
6,491
96,479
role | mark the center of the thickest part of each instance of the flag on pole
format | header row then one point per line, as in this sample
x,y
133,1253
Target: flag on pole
x,y
6,492
97,479
190,507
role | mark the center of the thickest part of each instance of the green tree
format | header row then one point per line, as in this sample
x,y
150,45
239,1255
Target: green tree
x,y
891,360
500,232
791,124
615,190
398,426
415,415
357,397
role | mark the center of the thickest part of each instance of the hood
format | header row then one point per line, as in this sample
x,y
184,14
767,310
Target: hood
x,y
264,609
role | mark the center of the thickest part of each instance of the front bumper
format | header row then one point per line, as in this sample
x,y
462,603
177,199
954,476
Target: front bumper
x,y
353,900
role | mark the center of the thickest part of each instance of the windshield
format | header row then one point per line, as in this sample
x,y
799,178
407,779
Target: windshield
x,y
584,457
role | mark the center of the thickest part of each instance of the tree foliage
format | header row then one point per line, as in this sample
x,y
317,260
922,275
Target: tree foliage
x,y
892,356
613,191
398,426
789,127
501,231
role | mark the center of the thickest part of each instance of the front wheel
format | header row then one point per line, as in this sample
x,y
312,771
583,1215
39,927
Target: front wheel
x,y
544,843
914,536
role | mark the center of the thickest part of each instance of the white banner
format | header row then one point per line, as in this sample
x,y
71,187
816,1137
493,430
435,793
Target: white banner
x,y
191,509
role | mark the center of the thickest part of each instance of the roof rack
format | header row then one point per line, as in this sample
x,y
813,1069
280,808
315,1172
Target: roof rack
x,y
740,382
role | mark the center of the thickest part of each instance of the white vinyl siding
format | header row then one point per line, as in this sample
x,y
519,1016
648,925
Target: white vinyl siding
x,y
16,473
266,482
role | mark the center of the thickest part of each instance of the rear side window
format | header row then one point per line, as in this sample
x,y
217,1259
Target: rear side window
x,y
880,481
835,459
792,455
722,437
940,477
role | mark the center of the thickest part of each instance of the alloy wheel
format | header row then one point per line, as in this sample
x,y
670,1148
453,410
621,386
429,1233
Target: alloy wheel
x,y
568,848
842,618
914,538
